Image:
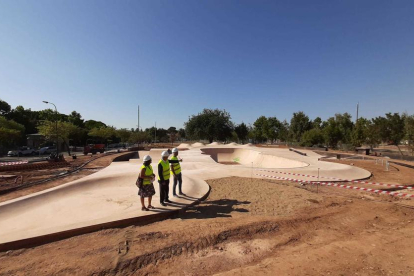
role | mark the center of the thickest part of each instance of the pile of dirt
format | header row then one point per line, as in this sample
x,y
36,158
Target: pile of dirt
x,y
245,227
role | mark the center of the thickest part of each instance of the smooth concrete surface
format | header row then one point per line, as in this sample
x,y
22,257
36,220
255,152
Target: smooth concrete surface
x,y
111,195
251,157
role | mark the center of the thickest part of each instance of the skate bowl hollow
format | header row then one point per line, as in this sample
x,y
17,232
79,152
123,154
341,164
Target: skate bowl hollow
x,y
249,157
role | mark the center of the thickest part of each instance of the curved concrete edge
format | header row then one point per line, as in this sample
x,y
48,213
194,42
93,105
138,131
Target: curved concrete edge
x,y
199,190
247,156
135,221
27,185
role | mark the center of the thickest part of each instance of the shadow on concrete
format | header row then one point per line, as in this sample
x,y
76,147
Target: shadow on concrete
x,y
214,209
187,197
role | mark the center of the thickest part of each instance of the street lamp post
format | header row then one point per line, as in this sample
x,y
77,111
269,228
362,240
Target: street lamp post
x,y
56,121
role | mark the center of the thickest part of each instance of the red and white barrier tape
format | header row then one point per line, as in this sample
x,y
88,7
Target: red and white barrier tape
x,y
344,180
340,186
13,163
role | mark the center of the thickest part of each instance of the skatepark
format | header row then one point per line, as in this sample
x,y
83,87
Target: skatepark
x,y
109,198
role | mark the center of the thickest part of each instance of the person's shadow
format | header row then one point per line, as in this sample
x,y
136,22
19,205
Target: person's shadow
x,y
214,209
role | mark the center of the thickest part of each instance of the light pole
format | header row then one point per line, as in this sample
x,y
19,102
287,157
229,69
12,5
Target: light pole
x,y
56,121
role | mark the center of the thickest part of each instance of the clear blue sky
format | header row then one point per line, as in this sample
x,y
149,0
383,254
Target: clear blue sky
x,y
174,58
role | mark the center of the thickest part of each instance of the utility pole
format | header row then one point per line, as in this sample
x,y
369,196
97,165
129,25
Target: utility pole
x,y
357,112
138,118
155,141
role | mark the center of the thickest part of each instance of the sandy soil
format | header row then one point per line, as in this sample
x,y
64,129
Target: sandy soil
x,y
35,175
245,227
396,174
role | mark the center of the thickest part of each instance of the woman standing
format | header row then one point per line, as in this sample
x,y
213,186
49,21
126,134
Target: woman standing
x,y
146,189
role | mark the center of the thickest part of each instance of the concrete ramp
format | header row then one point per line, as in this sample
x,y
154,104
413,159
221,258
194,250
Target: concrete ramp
x,y
105,198
251,157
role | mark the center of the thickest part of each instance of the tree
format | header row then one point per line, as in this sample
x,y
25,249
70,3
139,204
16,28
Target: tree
x,y
25,117
338,129
76,119
181,133
332,133
261,128
298,125
409,131
396,127
91,124
102,133
312,137
210,124
123,134
391,128
284,131
372,135
138,137
242,131
172,133
317,123
4,107
64,130
46,115
10,132
346,126
274,128
359,133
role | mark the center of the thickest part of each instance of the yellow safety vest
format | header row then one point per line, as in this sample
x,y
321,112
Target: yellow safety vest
x,y
165,169
176,166
148,172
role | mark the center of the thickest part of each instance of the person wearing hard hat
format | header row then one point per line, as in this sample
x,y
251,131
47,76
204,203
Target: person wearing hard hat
x,y
176,172
164,178
146,188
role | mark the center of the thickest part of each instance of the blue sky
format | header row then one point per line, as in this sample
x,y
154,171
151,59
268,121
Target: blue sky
x,y
174,58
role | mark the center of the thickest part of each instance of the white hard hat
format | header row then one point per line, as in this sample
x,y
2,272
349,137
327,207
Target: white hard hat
x,y
165,153
175,150
147,158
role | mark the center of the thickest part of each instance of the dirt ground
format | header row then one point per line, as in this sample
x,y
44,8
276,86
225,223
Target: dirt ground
x,y
244,227
36,175
396,174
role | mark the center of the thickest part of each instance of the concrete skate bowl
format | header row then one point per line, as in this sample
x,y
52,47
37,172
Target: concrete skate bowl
x,y
106,199
244,156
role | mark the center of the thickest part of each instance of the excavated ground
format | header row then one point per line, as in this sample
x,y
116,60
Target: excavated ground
x,y
245,227
36,175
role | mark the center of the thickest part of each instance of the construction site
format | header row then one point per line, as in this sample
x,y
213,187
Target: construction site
x,y
246,210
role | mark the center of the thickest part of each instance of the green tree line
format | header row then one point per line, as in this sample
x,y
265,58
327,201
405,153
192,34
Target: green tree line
x,y
17,123
211,125
335,132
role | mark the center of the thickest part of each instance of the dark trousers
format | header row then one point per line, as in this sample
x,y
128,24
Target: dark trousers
x,y
178,178
164,190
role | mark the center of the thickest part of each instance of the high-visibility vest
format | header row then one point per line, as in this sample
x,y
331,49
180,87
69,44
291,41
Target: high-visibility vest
x,y
176,166
148,172
165,169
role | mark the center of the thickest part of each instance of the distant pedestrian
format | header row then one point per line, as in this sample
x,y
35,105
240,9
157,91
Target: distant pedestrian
x,y
176,172
146,186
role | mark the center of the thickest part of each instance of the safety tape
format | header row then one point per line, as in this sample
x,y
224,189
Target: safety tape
x,y
13,163
340,186
343,180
